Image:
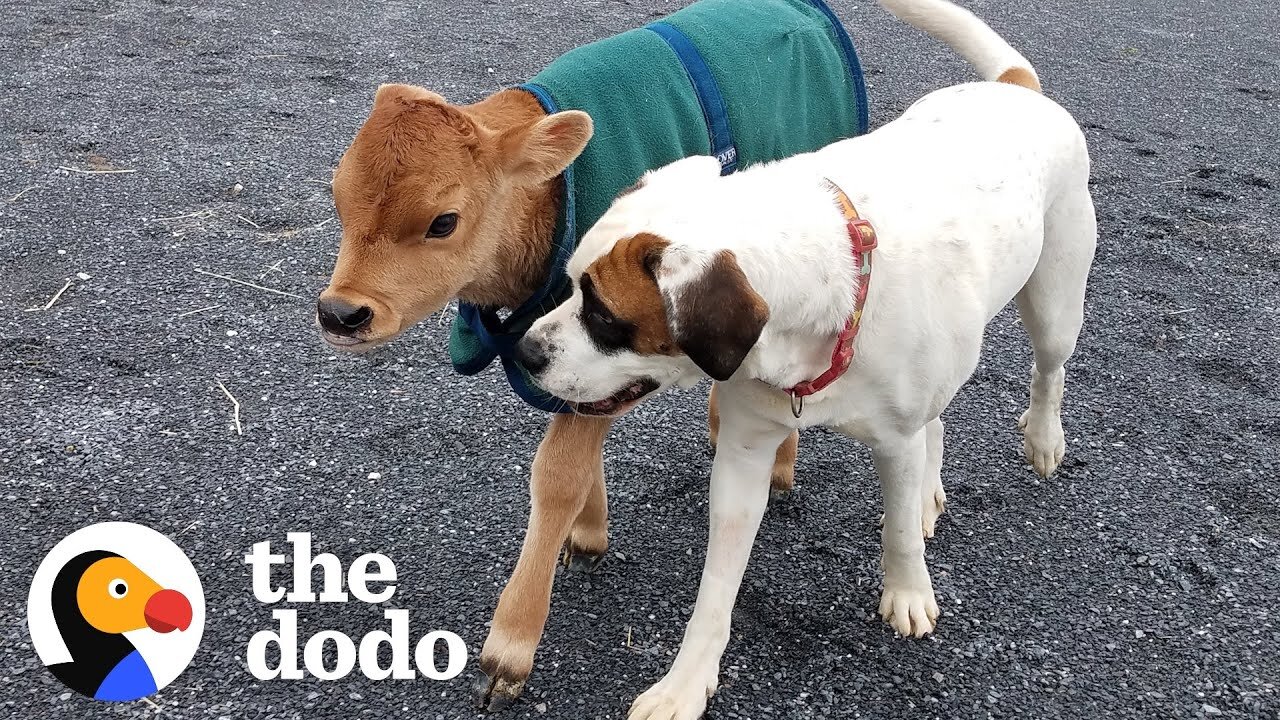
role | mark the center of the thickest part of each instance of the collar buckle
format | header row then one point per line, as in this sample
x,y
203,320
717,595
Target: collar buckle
x,y
862,235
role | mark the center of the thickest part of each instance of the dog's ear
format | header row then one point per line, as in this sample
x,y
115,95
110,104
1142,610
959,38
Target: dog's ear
x,y
717,317
538,151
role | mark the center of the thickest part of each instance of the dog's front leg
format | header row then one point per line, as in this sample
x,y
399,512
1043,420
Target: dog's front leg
x,y
907,601
739,495
567,470
784,465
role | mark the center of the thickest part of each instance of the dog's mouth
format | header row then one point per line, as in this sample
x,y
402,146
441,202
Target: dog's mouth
x,y
619,402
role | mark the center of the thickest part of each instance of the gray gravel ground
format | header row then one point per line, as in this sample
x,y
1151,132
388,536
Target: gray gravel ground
x,y
1138,582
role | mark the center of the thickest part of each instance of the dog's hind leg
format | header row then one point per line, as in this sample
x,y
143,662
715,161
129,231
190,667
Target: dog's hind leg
x,y
933,499
783,478
1052,308
567,470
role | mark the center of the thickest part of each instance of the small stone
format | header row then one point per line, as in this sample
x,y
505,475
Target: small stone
x,y
83,276
540,707
1208,709
232,333
937,676
375,476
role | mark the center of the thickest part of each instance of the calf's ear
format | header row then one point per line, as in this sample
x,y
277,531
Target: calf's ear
x,y
538,151
717,317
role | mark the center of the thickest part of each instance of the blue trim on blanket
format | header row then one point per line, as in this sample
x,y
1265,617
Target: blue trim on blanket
x,y
714,110
851,64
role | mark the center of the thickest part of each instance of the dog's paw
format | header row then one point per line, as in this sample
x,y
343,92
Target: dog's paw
x,y
934,504
911,612
1043,441
674,698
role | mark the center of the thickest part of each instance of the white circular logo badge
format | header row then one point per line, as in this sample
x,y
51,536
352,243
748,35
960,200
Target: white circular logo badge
x,y
116,611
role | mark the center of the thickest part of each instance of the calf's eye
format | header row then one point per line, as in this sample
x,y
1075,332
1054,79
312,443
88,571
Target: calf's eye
x,y
443,225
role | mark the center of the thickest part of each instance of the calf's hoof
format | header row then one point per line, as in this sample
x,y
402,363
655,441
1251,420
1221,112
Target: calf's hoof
x,y
577,559
493,691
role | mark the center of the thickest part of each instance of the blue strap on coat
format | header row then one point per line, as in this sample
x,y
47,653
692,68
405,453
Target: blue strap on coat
x,y
704,84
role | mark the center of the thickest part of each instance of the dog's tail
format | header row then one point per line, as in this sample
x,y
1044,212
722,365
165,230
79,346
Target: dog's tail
x,y
993,57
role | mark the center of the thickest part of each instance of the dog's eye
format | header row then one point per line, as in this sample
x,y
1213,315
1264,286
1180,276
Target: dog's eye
x,y
443,226
599,317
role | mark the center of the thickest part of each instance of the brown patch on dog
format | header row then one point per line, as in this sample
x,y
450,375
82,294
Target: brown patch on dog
x,y
495,164
624,281
719,317
1020,76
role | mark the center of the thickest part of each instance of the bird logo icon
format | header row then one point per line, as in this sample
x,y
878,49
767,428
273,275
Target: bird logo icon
x,y
105,626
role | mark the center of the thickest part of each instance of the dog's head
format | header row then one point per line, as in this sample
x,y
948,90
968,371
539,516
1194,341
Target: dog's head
x,y
436,201
647,312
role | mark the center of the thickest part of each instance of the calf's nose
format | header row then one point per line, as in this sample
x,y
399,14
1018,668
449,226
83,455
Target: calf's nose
x,y
342,318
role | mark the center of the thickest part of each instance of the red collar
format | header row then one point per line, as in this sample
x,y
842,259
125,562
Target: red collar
x,y
862,237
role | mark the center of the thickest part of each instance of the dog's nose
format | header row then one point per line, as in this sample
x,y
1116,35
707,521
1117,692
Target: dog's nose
x,y
342,318
532,355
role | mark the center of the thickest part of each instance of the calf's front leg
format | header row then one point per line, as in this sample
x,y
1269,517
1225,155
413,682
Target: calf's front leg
x,y
567,494
739,495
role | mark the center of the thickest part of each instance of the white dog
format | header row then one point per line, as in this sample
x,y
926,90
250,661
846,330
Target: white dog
x,y
977,195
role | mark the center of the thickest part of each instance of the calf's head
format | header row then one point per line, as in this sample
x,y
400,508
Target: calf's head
x,y
439,201
644,315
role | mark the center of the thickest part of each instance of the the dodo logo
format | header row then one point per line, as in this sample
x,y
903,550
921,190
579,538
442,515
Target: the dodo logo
x,y
116,611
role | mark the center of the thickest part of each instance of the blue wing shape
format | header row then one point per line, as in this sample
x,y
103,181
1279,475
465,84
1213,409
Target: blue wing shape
x,y
130,679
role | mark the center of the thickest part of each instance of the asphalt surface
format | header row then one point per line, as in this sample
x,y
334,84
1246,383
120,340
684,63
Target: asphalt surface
x,y
1138,582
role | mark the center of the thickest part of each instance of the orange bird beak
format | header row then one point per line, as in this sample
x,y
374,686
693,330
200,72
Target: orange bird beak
x,y
167,610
